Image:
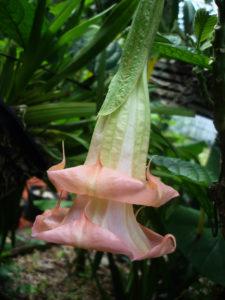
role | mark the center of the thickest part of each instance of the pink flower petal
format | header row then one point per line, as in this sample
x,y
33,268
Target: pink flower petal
x,y
101,182
75,229
123,235
160,245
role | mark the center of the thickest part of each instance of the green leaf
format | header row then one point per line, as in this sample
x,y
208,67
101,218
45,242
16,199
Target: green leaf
x,y
183,53
162,38
81,95
7,73
168,38
207,44
193,148
39,46
165,174
30,61
65,135
16,19
45,113
68,127
114,24
50,203
45,46
188,170
79,30
204,24
37,98
113,55
205,202
36,30
63,15
57,8
158,108
206,253
78,159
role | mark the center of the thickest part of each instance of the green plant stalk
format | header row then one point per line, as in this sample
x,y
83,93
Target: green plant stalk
x,y
133,291
116,278
80,261
219,105
102,292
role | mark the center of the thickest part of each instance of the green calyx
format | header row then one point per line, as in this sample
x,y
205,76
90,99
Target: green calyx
x,y
135,54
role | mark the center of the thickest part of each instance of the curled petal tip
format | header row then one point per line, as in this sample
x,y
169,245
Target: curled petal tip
x,y
148,174
164,192
62,164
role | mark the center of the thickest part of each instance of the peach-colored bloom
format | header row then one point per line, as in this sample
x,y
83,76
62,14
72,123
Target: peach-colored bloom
x,y
107,185
99,218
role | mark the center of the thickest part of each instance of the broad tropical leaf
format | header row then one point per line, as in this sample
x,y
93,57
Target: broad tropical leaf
x,y
190,171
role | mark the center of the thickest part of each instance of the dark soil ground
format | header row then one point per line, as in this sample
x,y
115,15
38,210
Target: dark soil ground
x,y
48,272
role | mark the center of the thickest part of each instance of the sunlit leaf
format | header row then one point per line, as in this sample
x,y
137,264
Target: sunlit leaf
x,y
57,8
183,53
190,171
158,108
193,148
45,113
168,38
204,24
50,203
78,30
